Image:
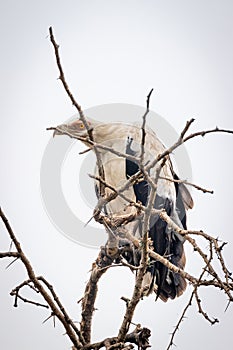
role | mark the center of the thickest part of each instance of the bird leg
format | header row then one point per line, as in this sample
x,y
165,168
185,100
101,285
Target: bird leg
x,y
130,214
112,244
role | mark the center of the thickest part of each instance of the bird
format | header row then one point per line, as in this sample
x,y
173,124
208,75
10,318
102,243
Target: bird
x,y
171,195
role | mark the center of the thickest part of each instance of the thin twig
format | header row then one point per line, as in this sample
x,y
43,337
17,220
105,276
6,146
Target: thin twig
x,y
139,206
63,80
61,307
185,182
201,311
177,326
92,144
195,287
9,255
18,296
166,152
77,106
143,140
183,139
192,241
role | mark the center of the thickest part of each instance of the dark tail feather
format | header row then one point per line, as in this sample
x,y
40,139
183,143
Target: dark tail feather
x,y
170,245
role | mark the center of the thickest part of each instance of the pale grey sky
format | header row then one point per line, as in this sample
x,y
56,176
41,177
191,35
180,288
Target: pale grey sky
x,y
112,52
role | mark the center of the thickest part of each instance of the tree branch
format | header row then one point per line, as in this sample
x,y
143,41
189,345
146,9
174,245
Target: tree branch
x,y
31,274
204,190
183,139
88,300
9,255
143,140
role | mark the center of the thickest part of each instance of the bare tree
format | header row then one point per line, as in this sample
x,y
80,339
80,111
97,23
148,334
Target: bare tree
x,y
213,274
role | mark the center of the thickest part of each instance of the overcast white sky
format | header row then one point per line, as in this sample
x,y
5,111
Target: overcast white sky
x,y
112,52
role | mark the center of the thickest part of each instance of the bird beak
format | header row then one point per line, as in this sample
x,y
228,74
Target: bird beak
x,y
56,132
59,129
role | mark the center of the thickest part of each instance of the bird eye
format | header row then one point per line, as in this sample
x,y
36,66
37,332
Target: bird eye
x,y
81,126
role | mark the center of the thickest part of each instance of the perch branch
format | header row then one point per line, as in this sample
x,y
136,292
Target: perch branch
x,y
140,336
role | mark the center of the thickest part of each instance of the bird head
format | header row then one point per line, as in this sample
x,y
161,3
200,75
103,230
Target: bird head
x,y
74,128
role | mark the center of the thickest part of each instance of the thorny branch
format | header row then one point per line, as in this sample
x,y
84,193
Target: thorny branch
x,y
183,139
38,285
176,328
88,301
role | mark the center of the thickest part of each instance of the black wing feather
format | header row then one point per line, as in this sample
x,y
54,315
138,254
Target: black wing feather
x,y
165,242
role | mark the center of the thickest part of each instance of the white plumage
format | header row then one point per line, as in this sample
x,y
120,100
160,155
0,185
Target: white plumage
x,y
173,197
